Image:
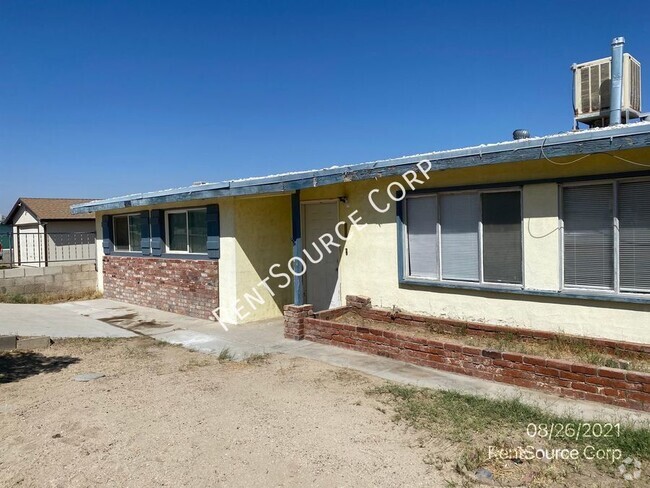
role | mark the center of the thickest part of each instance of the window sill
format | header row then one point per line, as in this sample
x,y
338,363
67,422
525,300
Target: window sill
x,y
128,254
518,290
185,256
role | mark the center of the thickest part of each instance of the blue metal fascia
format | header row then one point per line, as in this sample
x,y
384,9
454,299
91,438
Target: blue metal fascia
x,y
586,142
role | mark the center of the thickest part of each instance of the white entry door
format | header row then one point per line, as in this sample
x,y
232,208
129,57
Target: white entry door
x,y
321,279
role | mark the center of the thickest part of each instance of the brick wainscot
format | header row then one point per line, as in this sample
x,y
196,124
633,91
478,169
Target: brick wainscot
x,y
183,286
621,387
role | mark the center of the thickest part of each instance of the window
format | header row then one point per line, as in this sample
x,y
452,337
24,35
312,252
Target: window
x,y
187,231
502,253
606,232
459,216
589,236
472,236
634,235
422,218
126,233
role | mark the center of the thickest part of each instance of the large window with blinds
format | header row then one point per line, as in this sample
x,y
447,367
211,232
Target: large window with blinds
x,y
606,236
471,237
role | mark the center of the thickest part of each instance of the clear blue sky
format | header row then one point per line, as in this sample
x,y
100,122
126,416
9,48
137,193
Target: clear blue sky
x,y
105,98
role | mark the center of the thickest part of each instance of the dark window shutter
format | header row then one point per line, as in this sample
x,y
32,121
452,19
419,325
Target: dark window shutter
x,y
145,238
212,224
157,232
107,234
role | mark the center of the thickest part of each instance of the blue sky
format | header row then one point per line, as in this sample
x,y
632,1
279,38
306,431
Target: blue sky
x,y
105,98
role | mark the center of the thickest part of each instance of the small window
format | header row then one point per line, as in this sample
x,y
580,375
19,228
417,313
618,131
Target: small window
x,y
502,255
421,229
126,233
459,216
187,231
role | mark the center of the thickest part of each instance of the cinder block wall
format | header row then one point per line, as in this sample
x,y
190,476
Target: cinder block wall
x,y
52,279
184,286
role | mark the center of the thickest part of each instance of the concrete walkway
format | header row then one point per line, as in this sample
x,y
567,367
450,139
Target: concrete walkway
x,y
52,321
267,337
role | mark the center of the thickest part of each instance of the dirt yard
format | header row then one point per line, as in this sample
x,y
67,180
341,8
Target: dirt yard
x,y
165,416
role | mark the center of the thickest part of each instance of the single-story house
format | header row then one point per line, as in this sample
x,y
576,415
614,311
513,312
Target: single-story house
x,y
550,233
44,231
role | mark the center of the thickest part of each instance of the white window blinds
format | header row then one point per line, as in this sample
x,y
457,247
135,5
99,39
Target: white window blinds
x,y
459,217
634,235
421,222
588,236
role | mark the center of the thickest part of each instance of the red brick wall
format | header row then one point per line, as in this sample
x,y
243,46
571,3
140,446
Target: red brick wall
x,y
184,286
294,321
363,307
606,385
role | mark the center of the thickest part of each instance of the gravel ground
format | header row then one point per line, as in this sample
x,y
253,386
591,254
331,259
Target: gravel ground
x,y
165,416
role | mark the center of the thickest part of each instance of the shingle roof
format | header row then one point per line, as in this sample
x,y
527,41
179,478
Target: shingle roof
x,y
51,208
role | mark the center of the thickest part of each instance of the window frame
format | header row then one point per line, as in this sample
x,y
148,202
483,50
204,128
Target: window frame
x,y
130,250
187,251
404,271
616,290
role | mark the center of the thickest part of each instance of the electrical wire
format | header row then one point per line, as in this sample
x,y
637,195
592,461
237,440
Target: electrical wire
x,y
586,156
557,163
530,232
628,161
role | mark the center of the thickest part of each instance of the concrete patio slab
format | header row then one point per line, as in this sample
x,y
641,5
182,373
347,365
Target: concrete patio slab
x,y
267,337
52,321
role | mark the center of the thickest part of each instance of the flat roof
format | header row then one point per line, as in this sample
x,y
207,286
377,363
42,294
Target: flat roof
x,y
599,140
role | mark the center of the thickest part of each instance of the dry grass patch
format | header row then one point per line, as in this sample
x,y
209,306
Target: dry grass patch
x,y
49,298
472,424
559,347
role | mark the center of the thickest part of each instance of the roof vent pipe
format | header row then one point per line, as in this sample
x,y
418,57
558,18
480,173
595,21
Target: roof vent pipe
x,y
616,92
520,134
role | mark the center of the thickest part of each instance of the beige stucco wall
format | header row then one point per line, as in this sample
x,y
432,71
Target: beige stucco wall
x,y
541,234
256,233
227,261
263,235
369,267
99,251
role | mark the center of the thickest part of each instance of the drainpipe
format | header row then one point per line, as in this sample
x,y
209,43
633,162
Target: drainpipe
x,y
616,91
296,237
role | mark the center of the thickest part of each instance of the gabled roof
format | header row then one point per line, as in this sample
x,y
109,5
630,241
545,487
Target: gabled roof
x,y
45,209
600,140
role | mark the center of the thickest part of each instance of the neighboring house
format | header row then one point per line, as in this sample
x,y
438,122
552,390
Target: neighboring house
x,y
550,233
45,232
5,242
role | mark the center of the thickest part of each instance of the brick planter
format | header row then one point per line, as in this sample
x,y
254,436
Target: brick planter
x,y
577,380
184,286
